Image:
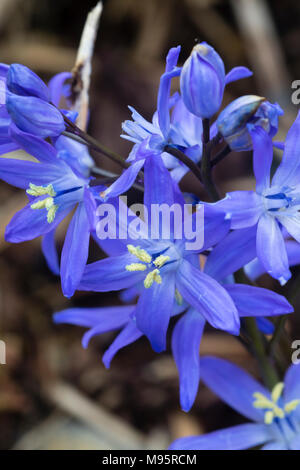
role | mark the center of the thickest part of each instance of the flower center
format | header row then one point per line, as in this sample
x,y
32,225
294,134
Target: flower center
x,y
277,202
147,262
46,203
271,405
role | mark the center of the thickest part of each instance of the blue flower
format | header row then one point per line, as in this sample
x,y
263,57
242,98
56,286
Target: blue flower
x,y
29,103
276,414
203,80
234,120
54,189
188,331
274,204
164,267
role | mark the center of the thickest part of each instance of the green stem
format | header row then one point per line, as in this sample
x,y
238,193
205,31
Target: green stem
x,y
279,329
267,370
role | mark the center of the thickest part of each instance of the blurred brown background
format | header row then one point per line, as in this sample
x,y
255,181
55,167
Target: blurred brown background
x,y
54,394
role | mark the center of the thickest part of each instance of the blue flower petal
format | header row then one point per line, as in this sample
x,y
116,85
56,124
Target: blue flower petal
x,y
288,171
262,157
164,90
186,340
28,224
243,207
257,301
271,249
41,150
237,249
110,274
109,318
233,385
56,86
125,181
128,335
50,251
239,437
154,310
237,73
208,297
75,251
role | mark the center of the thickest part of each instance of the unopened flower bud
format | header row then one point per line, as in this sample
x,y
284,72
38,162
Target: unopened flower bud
x,y
250,110
35,116
202,81
22,81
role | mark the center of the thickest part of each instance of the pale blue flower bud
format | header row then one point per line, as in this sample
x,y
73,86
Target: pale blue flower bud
x,y
202,81
250,110
22,81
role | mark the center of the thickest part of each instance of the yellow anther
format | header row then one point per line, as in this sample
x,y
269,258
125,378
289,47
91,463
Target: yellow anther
x,y
178,297
161,260
261,401
35,190
39,205
291,406
151,277
48,204
136,267
269,416
51,213
274,411
277,391
278,412
141,254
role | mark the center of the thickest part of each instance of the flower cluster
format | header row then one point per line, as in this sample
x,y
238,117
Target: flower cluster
x,y
150,260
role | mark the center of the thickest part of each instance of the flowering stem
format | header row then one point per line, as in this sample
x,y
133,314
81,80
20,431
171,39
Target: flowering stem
x,y
277,333
221,155
93,143
268,372
206,163
257,343
184,159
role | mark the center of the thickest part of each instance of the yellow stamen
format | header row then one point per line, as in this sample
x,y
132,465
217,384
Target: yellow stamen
x,y
141,254
277,391
43,203
35,190
136,267
161,260
151,277
291,406
261,401
269,416
51,213
274,411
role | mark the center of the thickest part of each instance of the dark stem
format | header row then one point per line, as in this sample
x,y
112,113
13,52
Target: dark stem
x,y
267,370
206,164
184,159
221,155
279,329
113,176
257,343
93,143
